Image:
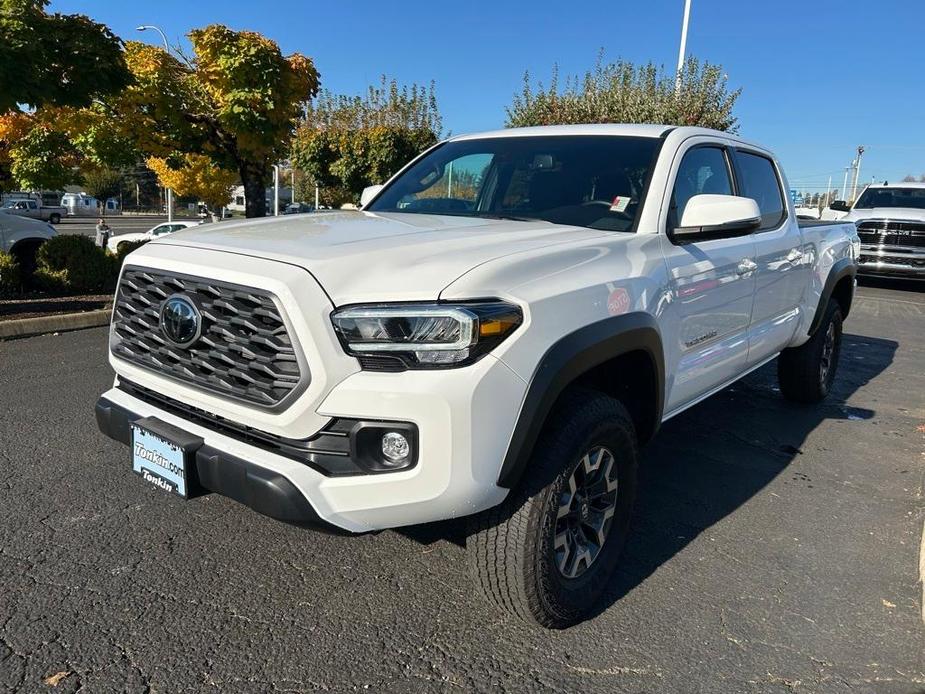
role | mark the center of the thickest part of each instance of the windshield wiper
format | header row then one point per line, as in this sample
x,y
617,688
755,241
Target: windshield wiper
x,y
510,217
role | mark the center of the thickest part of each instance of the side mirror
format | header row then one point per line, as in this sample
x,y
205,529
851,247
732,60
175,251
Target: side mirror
x,y
369,192
716,217
840,206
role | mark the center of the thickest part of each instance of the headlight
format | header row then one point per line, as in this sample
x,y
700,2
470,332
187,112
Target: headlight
x,y
423,336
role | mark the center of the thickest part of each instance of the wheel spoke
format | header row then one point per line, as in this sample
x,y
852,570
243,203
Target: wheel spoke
x,y
566,498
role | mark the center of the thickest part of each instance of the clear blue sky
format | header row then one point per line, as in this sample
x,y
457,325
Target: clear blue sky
x,y
818,78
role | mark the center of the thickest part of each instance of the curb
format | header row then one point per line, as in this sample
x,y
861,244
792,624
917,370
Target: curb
x,y
26,327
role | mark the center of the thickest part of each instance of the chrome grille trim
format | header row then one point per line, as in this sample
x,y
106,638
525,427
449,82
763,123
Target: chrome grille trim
x,y
888,232
247,352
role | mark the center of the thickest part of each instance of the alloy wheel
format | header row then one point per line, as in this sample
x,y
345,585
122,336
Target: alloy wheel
x,y
585,511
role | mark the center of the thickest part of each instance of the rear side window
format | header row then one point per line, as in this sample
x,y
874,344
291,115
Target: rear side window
x,y
703,171
758,181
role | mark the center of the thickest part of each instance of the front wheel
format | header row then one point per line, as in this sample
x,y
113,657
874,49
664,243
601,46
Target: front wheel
x,y
806,373
548,552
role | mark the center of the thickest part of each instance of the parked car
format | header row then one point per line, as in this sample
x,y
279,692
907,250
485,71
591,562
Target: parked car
x,y
298,208
35,210
160,230
22,236
493,335
890,219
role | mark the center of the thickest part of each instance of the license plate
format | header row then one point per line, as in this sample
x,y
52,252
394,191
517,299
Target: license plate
x,y
159,461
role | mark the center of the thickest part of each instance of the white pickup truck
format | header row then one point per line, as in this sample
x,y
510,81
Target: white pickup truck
x,y
493,335
890,219
29,207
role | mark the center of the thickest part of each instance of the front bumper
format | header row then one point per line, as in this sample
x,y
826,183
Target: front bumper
x,y
902,262
464,419
217,471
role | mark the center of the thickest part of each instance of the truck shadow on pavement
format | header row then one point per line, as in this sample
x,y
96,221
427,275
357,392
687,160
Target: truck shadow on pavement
x,y
708,461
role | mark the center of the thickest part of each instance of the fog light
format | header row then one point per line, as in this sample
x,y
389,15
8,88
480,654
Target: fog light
x,y
395,447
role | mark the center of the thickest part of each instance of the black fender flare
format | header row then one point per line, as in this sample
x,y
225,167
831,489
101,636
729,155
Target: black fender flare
x,y
846,267
566,360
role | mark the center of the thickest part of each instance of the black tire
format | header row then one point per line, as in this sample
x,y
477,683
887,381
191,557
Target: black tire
x,y
512,549
55,218
806,373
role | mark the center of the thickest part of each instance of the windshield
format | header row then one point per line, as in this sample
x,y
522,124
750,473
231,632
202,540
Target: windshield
x,y
582,180
891,197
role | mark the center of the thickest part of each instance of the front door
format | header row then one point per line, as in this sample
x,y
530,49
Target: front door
x,y
712,284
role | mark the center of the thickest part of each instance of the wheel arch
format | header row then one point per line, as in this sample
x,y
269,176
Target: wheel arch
x,y
839,285
593,356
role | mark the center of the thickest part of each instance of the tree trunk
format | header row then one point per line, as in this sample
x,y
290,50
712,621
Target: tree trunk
x,y
253,178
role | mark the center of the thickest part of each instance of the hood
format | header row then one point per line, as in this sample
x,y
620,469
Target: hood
x,y
364,256
911,214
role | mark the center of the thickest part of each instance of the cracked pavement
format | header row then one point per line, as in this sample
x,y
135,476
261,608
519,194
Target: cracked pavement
x,y
776,549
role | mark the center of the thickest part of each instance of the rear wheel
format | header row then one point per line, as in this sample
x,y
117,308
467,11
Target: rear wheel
x,y
55,218
806,373
548,552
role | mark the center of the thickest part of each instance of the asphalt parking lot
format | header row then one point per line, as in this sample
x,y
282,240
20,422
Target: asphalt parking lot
x,y
776,549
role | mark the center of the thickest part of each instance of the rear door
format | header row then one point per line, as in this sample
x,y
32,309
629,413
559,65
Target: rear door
x,y
782,273
711,284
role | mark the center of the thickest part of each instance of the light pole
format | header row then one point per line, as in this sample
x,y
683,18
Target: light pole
x,y
683,48
276,190
145,27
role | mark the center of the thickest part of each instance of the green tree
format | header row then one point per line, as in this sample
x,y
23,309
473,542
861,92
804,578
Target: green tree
x,y
55,59
236,101
346,143
102,183
622,92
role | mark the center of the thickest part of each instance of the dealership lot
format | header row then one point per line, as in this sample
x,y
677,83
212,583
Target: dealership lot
x,y
776,549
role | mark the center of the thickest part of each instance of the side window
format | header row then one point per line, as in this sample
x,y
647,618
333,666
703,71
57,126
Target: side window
x,y
759,181
703,171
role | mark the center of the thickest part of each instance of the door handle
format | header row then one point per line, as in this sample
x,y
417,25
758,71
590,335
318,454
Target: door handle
x,y
794,255
746,266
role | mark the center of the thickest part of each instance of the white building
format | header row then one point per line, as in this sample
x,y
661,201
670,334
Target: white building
x,y
237,199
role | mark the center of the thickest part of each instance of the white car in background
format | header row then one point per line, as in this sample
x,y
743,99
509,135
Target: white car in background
x,y
160,230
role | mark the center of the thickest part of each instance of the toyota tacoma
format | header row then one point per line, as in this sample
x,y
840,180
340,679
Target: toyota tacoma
x,y
492,335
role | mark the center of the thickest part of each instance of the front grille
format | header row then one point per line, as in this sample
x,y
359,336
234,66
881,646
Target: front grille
x,y
245,351
916,261
887,232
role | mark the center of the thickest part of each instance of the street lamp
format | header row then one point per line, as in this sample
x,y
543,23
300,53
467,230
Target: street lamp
x,y
145,27
160,31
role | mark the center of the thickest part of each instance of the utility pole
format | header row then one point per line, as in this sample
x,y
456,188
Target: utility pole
x,y
683,48
857,172
844,186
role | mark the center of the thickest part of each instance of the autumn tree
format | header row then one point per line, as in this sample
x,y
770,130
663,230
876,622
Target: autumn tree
x,y
196,175
54,65
235,101
346,143
53,146
623,92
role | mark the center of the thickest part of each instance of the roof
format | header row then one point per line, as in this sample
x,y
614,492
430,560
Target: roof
x,y
899,184
627,130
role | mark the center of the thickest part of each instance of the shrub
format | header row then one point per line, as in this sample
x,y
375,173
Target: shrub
x,y
125,248
10,274
74,263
